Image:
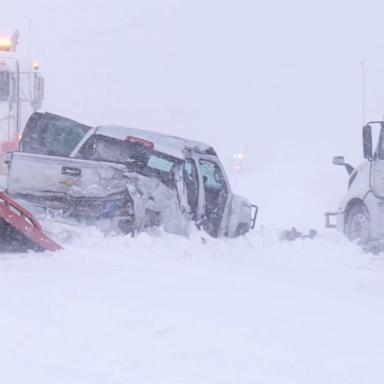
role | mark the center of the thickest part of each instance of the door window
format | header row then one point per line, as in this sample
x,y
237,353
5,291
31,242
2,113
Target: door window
x,y
216,194
191,182
212,175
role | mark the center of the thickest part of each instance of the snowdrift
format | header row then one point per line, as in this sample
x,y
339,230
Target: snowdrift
x,y
166,309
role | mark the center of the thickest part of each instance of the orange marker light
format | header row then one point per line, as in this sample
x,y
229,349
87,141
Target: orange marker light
x,y
35,65
5,44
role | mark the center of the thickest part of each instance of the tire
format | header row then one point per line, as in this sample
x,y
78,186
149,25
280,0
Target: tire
x,y
358,223
242,229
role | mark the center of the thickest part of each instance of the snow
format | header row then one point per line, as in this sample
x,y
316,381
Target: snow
x,y
273,85
173,310
166,309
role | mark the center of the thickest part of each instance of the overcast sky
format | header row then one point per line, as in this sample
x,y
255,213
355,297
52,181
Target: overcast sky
x,y
282,78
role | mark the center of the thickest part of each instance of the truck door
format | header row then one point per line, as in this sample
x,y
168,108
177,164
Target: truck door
x,y
377,177
377,186
377,173
377,162
191,182
215,193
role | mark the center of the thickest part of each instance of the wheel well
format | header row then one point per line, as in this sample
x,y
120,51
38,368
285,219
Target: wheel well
x,y
349,206
242,229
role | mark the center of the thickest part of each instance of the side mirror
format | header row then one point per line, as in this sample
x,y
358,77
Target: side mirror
x,y
338,160
367,142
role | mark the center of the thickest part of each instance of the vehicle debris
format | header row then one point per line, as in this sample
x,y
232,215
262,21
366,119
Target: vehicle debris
x,y
294,234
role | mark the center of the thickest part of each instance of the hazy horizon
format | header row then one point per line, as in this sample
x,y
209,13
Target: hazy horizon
x,y
279,79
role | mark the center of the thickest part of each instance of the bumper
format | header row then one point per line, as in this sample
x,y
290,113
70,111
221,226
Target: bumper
x,y
254,211
335,220
331,219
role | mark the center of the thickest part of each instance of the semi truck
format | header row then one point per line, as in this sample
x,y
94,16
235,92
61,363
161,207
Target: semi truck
x,y
360,214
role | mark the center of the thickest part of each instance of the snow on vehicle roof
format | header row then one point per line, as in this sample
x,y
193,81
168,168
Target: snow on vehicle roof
x,y
171,145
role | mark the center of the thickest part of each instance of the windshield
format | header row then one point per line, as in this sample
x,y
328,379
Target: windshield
x,y
137,157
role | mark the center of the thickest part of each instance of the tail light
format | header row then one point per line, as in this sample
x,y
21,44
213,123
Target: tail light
x,y
139,141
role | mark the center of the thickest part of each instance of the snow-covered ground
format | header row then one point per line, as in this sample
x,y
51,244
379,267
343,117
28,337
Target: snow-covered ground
x,y
173,310
166,309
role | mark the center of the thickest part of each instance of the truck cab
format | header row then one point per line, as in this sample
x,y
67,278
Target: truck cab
x,y
360,214
133,177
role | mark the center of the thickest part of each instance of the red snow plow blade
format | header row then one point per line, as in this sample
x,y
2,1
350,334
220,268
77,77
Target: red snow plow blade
x,y
19,230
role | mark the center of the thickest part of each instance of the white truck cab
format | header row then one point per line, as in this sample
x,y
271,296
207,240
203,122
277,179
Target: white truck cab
x,y
360,214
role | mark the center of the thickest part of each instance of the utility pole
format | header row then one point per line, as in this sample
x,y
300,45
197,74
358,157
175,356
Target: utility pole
x,y
363,91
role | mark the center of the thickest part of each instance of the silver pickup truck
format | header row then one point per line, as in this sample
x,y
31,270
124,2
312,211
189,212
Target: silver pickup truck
x,y
131,177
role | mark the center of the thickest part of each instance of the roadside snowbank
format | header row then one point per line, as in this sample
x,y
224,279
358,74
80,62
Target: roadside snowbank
x,y
167,309
173,310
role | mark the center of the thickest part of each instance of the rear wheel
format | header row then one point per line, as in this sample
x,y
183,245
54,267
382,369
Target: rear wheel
x,y
358,223
242,229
